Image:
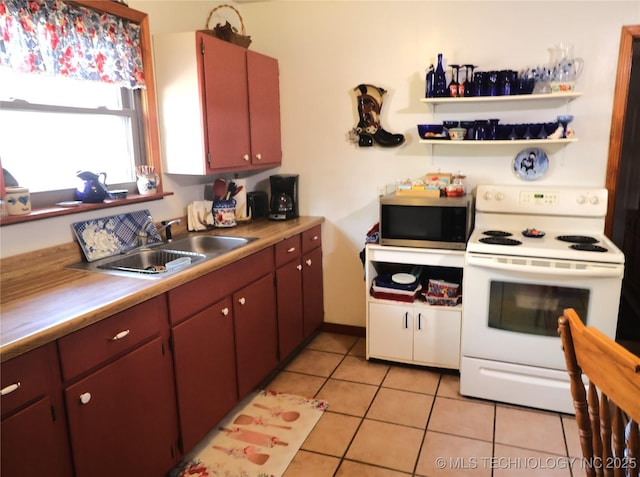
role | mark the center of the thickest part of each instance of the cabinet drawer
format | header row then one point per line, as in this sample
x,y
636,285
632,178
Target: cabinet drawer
x,y
287,250
311,238
91,346
26,377
202,292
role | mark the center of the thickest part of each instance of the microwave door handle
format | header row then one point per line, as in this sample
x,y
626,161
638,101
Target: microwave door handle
x,y
590,271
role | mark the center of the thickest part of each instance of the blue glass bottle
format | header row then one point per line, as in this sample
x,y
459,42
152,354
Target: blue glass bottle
x,y
440,80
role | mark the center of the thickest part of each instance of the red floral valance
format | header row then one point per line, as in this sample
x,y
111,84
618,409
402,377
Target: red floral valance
x,y
56,38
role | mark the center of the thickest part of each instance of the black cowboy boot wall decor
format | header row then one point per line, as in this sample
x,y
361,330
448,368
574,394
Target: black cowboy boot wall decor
x,y
369,130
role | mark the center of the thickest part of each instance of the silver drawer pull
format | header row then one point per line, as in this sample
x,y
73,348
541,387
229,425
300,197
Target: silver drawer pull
x,y
225,311
9,389
292,249
120,335
85,398
315,237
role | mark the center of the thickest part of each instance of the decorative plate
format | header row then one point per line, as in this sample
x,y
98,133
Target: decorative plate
x,y
403,278
531,164
107,236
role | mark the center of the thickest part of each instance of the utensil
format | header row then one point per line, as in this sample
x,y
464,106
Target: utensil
x,y
287,416
246,420
220,188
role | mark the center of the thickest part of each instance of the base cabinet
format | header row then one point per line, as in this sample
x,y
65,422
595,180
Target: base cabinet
x,y
205,368
34,430
224,337
312,291
121,418
120,394
254,314
289,295
413,332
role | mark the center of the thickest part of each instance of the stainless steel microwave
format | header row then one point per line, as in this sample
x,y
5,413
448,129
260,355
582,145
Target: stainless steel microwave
x,y
429,222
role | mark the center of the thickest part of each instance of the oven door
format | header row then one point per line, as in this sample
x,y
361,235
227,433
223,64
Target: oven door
x,y
512,305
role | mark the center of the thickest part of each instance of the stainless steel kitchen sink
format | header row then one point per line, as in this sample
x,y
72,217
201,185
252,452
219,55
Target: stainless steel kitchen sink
x,y
153,261
209,244
166,259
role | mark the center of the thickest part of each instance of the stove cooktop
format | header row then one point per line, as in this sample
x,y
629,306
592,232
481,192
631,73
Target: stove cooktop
x,y
590,246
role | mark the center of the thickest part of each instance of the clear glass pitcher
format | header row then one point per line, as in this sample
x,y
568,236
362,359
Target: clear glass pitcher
x,y
564,66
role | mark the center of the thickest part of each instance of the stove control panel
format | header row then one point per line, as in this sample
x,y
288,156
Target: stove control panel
x,y
539,199
566,201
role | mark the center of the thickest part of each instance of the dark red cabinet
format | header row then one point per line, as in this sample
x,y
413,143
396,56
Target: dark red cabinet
x,y
205,368
312,291
122,417
120,395
256,336
34,430
289,295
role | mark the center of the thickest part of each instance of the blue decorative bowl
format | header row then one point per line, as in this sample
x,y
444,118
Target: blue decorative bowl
x,y
431,131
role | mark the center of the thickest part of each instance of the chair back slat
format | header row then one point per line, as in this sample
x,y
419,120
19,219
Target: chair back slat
x,y
606,415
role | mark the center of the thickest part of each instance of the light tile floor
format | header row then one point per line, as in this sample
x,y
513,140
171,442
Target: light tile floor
x,y
392,420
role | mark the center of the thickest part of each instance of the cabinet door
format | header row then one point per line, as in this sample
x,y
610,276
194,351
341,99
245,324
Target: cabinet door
x,y
312,291
254,314
34,443
205,369
390,331
437,337
122,417
264,107
290,311
33,429
225,104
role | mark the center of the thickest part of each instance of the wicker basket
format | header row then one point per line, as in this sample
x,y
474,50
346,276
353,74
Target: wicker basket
x,y
227,32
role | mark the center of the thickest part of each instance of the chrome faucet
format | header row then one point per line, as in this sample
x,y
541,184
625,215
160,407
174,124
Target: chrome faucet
x,y
143,236
166,226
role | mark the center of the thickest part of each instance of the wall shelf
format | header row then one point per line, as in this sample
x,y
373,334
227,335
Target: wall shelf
x,y
518,142
503,99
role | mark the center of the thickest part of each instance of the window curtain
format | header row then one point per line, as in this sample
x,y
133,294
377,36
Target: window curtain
x,y
56,38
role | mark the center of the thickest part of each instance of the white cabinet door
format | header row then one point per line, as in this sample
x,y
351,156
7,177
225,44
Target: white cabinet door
x,y
390,331
436,339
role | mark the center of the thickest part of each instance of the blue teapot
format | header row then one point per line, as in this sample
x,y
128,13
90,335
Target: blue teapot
x,y
93,188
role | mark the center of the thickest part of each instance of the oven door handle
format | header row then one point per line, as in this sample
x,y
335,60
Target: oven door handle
x,y
589,270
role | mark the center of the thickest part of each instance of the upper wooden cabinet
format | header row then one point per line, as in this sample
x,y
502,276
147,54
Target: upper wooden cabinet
x,y
218,103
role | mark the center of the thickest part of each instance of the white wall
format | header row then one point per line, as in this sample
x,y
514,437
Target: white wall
x,y
326,48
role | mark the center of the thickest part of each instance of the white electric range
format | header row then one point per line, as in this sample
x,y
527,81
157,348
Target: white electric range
x,y
534,251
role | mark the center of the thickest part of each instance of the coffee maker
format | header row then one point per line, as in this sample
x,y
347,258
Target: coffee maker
x,y
284,196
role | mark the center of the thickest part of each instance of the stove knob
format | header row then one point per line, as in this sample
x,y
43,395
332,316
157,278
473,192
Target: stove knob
x,y
488,196
580,199
499,196
594,199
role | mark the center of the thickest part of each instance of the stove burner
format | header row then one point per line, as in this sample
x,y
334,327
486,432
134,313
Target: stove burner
x,y
588,247
582,239
500,241
497,233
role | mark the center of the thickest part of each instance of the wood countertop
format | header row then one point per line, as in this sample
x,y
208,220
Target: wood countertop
x,y
41,300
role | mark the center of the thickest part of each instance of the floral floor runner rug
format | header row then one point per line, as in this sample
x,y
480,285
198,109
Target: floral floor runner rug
x,y
259,438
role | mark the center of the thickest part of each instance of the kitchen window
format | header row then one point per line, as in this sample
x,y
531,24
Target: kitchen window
x,y
54,126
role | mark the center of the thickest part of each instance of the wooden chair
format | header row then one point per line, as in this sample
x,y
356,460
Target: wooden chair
x,y
615,410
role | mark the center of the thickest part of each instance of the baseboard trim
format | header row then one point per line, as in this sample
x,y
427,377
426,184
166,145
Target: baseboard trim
x,y
359,331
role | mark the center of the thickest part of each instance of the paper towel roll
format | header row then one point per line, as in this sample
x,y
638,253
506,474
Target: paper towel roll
x,y
241,199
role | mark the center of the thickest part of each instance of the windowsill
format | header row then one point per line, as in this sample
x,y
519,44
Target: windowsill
x,y
55,211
